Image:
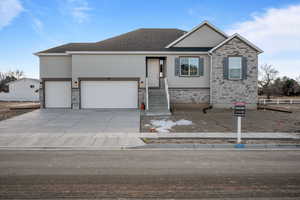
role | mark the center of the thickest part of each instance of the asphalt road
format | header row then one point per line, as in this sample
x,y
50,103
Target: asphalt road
x,y
149,174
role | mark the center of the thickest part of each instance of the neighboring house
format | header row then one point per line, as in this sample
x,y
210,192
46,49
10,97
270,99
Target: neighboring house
x,y
203,65
25,89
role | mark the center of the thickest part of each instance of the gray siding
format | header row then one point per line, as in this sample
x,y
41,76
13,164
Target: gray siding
x,y
187,82
55,67
133,66
203,37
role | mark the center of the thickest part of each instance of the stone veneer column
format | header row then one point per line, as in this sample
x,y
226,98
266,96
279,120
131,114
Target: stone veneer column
x,y
75,98
41,97
226,92
141,97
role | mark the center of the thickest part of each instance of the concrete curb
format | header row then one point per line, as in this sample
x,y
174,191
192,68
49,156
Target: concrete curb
x,y
223,135
163,147
225,138
69,148
219,146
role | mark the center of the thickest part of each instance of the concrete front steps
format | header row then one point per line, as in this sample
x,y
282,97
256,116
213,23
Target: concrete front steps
x,y
158,105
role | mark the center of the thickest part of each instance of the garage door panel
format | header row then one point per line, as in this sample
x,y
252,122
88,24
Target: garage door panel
x,y
57,94
109,94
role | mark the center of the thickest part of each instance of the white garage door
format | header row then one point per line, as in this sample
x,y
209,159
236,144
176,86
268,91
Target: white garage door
x,y
58,94
109,94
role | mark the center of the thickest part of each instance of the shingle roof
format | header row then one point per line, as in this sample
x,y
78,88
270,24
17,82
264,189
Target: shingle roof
x,y
153,39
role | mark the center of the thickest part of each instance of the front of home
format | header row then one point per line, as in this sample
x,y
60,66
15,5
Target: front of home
x,y
157,67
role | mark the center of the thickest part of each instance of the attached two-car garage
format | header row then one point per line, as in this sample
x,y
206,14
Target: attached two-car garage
x,y
115,93
109,94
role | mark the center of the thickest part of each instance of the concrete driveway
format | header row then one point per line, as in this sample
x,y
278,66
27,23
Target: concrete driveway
x,y
72,129
73,121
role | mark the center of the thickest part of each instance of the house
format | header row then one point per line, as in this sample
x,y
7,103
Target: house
x,y
152,66
25,89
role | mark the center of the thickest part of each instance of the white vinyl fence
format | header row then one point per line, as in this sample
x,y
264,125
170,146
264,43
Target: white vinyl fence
x,y
278,101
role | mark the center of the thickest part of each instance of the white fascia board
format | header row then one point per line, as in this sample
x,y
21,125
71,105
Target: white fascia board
x,y
51,54
134,52
241,38
194,29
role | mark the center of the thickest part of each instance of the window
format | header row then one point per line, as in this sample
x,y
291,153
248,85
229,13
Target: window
x,y
31,86
189,66
235,67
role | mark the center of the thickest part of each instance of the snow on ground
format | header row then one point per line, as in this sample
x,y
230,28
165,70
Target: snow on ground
x,y
164,126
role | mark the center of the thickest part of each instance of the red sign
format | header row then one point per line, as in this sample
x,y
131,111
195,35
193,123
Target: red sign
x,y
239,104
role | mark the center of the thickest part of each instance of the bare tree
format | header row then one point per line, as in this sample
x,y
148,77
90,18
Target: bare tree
x,y
298,79
2,76
18,74
6,77
267,75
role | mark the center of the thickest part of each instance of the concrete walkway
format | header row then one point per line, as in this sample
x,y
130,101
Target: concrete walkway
x,y
102,141
224,135
77,141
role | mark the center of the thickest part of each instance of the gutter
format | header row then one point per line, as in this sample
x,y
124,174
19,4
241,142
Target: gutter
x,y
124,53
210,79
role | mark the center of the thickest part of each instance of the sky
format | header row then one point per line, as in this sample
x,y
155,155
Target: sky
x,y
29,26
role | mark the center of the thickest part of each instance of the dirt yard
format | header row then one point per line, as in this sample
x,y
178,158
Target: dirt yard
x,y
11,109
221,120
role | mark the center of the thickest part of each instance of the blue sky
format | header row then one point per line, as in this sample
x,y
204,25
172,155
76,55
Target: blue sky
x,y
28,26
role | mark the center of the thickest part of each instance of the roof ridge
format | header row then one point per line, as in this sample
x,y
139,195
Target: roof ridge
x,y
117,36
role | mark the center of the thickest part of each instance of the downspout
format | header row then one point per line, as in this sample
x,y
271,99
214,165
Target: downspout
x,y
210,79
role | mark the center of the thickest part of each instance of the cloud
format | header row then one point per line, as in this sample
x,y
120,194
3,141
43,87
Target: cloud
x,y
277,32
79,10
197,13
37,25
9,9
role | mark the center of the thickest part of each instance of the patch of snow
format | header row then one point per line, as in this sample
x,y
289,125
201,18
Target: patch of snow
x,y
164,126
184,122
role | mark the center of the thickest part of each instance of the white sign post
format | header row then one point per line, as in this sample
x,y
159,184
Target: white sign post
x,y
239,130
239,112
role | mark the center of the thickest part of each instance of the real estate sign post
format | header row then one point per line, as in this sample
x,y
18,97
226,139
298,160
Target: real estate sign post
x,y
239,112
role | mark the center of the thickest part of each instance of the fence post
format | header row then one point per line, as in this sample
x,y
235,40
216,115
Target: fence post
x,y
291,101
264,101
277,101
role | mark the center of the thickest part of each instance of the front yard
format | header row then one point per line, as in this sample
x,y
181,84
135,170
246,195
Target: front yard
x,y
11,109
222,120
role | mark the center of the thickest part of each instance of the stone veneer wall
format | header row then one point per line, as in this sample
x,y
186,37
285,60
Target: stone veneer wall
x,y
226,92
41,93
75,98
189,95
142,96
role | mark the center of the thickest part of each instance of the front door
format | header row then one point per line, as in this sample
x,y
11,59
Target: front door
x,y
153,72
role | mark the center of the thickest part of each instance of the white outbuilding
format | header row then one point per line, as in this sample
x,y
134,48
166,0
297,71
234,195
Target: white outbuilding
x,y
25,89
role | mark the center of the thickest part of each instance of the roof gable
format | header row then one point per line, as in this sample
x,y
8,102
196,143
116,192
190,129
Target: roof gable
x,y
203,35
236,35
